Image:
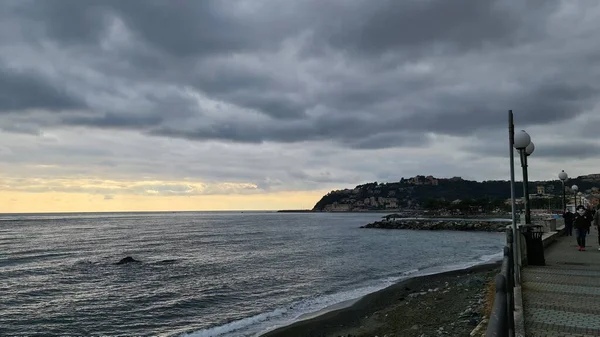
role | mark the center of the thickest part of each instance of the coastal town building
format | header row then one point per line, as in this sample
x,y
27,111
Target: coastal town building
x,y
431,180
423,180
541,190
336,207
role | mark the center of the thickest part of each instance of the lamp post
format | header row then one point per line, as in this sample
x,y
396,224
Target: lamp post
x,y
525,146
563,178
516,244
574,188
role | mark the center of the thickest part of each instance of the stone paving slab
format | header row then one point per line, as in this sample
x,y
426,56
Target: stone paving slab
x,y
561,271
573,266
561,278
564,302
562,299
561,288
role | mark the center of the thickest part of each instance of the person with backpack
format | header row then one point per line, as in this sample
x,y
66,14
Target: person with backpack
x,y
582,225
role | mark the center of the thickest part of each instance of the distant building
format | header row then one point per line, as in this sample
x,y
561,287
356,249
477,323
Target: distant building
x,y
335,207
431,180
415,180
422,180
541,190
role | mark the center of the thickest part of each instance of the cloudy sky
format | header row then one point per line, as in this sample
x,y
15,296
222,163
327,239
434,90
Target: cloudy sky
x,y
267,104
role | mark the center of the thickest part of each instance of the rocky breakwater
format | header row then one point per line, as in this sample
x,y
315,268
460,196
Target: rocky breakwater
x,y
425,224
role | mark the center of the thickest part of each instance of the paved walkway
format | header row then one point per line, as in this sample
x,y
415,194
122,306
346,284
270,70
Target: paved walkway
x,y
562,299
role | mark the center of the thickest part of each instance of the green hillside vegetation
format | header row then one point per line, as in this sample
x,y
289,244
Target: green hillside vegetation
x,y
430,193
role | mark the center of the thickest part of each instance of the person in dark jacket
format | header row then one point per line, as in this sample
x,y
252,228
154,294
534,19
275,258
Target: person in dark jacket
x,y
596,223
568,216
582,225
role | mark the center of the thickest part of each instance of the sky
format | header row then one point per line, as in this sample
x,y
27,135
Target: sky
x,y
267,104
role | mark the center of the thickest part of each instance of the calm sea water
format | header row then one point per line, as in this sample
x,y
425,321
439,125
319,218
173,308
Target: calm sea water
x,y
233,274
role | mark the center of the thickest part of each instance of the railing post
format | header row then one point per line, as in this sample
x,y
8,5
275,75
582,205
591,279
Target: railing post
x,y
510,303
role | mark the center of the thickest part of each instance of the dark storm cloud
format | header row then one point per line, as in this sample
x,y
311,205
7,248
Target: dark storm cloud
x,y
179,28
497,146
361,132
543,104
391,139
112,120
26,90
388,25
575,151
366,74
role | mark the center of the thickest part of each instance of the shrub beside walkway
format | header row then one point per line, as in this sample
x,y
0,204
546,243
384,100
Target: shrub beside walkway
x,y
562,299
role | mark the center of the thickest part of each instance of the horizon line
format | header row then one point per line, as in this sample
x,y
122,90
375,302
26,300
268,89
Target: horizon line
x,y
159,211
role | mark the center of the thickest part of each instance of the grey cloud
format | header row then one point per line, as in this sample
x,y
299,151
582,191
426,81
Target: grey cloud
x,y
350,131
346,71
26,129
545,103
183,29
574,151
113,120
556,101
392,139
397,25
73,22
22,90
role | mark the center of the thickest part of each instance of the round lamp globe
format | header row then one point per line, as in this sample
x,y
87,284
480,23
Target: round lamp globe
x,y
563,175
530,148
521,140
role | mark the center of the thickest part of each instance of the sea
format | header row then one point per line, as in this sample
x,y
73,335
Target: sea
x,y
205,274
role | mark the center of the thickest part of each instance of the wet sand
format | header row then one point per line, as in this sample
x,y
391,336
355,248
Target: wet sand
x,y
445,304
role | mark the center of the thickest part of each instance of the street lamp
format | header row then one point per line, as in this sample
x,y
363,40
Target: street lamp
x,y
523,143
574,188
563,178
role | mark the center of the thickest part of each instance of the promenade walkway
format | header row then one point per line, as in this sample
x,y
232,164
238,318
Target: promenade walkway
x,y
562,299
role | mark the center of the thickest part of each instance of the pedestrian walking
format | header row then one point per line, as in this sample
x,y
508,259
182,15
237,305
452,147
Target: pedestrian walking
x,y
582,225
569,217
597,223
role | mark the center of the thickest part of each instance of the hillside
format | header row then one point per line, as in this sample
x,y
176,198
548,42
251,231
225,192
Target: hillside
x,y
426,192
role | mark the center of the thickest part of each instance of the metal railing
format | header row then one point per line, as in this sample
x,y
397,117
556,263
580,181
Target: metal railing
x,y
502,322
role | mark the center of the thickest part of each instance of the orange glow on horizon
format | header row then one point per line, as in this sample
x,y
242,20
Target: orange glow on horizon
x,y
56,202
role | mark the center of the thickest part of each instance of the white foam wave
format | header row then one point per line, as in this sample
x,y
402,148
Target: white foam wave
x,y
236,325
304,309
492,258
318,305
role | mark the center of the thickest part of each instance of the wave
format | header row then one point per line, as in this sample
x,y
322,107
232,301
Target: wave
x,y
301,310
236,325
318,305
492,257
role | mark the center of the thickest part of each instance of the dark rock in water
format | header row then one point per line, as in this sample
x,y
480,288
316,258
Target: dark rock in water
x,y
128,259
167,261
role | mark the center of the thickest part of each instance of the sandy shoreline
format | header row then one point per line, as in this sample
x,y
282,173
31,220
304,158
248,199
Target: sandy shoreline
x,y
413,307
